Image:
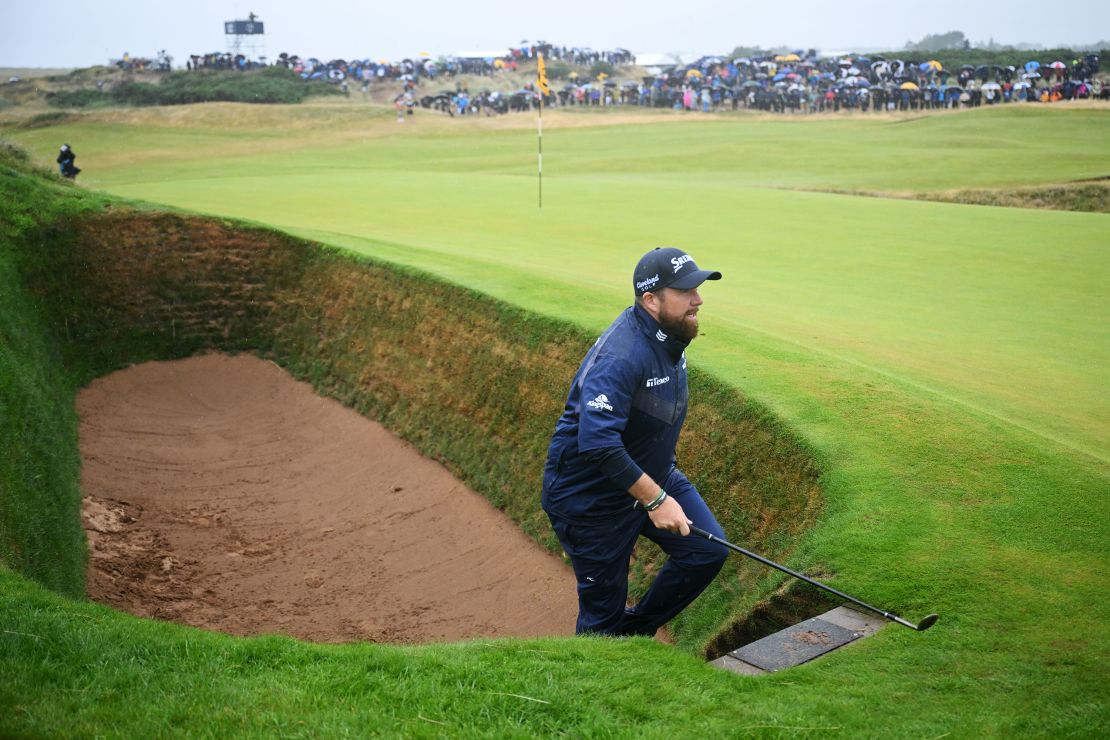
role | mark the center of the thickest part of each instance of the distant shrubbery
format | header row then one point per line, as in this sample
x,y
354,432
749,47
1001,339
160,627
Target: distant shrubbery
x,y
558,70
270,85
602,67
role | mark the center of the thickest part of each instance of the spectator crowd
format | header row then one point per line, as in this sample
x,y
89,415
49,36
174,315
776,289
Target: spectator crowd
x,y
799,82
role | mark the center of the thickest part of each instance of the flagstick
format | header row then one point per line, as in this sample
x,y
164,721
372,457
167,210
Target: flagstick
x,y
539,138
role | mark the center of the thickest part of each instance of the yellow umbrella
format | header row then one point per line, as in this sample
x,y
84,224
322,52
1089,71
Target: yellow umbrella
x,y
788,58
693,73
908,86
425,54
935,65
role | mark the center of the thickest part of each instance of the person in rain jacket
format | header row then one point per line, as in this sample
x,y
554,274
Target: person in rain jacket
x,y
610,474
66,166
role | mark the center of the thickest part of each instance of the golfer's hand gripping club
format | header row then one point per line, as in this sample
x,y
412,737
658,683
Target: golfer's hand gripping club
x,y
669,514
671,517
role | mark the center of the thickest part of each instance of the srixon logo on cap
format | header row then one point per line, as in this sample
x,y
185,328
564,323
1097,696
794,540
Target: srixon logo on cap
x,y
678,262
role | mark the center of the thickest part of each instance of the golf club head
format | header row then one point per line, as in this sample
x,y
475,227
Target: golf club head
x,y
927,622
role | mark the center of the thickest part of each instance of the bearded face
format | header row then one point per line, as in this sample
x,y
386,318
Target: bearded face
x,y
678,312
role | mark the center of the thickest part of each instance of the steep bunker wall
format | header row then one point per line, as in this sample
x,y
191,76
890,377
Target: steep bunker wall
x,y
469,381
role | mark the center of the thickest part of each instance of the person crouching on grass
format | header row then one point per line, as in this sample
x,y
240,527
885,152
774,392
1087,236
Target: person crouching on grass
x,y
610,474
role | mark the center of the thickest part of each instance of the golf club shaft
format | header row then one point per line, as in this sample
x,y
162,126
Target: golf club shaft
x,y
796,574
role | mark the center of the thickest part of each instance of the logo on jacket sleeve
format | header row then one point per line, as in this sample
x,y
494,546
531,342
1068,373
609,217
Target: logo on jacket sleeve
x,y
660,335
600,403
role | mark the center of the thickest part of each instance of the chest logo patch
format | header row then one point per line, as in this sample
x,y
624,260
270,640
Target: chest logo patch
x,y
652,382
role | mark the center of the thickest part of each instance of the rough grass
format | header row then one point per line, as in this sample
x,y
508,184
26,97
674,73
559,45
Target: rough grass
x,y
1084,197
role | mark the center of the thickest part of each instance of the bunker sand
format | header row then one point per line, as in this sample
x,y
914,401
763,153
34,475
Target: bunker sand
x,y
223,494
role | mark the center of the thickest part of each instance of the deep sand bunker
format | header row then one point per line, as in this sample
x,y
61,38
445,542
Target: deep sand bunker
x,y
224,494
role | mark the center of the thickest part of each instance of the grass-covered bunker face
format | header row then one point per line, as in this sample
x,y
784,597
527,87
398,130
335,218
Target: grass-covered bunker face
x,y
468,380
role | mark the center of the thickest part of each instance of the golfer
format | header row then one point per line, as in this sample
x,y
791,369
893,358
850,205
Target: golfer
x,y
610,474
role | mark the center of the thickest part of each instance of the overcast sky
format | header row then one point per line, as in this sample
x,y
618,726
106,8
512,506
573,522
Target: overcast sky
x,y
79,33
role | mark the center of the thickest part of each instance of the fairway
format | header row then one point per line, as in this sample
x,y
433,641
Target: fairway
x,y
993,309
947,364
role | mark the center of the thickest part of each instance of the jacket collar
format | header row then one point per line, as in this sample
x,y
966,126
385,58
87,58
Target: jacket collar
x,y
673,346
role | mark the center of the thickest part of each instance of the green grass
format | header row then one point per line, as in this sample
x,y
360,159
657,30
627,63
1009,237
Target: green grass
x,y
952,299
949,363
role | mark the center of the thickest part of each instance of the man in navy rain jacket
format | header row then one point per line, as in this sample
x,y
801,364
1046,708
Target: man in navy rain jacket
x,y
610,474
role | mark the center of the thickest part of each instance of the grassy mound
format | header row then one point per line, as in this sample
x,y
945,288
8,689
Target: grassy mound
x,y
268,85
1084,197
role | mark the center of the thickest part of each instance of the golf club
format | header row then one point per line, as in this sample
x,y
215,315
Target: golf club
x,y
925,623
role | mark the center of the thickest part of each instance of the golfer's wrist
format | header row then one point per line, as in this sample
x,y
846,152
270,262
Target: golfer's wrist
x,y
656,502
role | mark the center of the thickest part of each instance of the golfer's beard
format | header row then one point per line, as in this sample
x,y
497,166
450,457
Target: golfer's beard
x,y
680,328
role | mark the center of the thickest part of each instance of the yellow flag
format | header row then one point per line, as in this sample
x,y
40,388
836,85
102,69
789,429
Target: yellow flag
x,y
541,75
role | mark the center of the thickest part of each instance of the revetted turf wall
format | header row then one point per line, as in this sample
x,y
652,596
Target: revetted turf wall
x,y
470,381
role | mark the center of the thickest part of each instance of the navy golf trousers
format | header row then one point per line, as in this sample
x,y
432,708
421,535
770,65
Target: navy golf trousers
x,y
600,550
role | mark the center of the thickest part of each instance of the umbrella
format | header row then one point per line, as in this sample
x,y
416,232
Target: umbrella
x,y
750,83
424,54
991,86
1058,65
935,65
863,82
1023,85
1031,65
779,77
693,73
908,86
788,58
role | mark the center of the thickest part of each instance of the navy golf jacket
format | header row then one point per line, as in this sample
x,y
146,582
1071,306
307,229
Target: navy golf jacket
x,y
622,418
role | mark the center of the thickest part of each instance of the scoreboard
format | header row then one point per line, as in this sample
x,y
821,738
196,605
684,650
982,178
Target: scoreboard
x,y
243,28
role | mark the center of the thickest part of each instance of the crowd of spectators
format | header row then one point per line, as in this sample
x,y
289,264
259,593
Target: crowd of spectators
x,y
225,60
800,82
162,62
807,84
